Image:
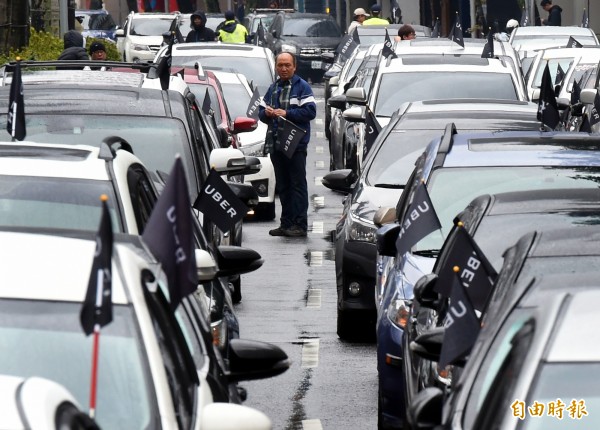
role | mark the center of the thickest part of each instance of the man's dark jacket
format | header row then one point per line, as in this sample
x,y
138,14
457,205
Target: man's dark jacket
x,y
74,48
554,18
200,33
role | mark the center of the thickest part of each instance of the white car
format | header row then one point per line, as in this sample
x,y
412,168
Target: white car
x,y
152,364
534,38
256,62
237,95
142,35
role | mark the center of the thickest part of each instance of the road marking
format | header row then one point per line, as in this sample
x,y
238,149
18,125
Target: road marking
x,y
319,149
319,202
317,227
319,134
313,300
316,258
319,121
310,353
312,425
320,164
318,180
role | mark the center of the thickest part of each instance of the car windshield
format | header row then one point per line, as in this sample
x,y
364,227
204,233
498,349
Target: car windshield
x,y
45,339
266,22
398,88
524,43
444,184
150,26
44,202
565,65
256,70
311,27
565,381
237,99
156,140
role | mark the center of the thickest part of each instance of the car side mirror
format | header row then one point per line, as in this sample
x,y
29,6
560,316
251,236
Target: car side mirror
x,y
535,96
245,192
233,162
120,32
249,360
334,81
424,291
386,237
337,102
354,114
244,124
205,265
237,260
340,180
588,95
425,410
384,215
357,96
563,103
428,345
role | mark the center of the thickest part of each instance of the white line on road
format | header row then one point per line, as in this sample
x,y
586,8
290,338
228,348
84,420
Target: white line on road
x,y
318,180
316,258
319,149
310,353
317,227
312,425
320,134
319,121
320,164
319,202
314,298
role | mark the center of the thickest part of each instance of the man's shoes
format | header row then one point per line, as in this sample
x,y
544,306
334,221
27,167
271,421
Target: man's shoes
x,y
279,231
295,231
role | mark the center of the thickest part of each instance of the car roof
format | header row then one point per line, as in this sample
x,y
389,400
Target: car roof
x,y
553,30
579,241
439,63
485,106
50,281
219,49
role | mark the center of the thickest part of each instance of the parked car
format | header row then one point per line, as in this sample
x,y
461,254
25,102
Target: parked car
x,y
152,360
307,36
540,37
142,35
252,20
97,23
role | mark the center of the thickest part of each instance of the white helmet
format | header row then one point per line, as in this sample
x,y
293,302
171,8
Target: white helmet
x,y
512,23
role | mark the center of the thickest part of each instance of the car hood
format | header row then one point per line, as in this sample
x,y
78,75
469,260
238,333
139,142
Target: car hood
x,y
367,200
312,42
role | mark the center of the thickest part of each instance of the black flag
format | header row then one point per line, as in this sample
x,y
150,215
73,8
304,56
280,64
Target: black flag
x,y
388,49
219,203
456,34
97,306
419,221
206,103
252,111
372,129
289,136
396,12
585,19
488,48
15,123
573,43
169,236
595,111
475,271
259,37
436,29
560,75
585,126
547,106
461,326
347,45
355,36
524,19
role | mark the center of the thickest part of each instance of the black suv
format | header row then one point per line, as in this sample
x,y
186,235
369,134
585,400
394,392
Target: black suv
x,y
308,36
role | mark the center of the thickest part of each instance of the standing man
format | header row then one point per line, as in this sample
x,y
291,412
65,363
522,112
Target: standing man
x,y
199,33
554,11
376,18
289,97
359,17
98,51
232,31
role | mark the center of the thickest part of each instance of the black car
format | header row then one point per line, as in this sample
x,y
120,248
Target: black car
x,y
306,35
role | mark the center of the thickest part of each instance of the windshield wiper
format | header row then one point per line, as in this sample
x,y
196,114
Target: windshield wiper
x,y
431,253
394,186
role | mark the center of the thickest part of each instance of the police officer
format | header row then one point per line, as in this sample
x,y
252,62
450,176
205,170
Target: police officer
x,y
231,31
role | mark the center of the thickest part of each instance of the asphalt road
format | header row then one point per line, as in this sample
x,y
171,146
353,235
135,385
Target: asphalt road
x,y
291,301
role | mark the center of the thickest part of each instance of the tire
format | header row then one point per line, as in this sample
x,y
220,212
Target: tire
x,y
236,293
265,211
345,325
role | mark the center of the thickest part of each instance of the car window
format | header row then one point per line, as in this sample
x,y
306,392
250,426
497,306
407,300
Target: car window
x,y
397,88
143,196
45,339
310,27
565,65
150,26
50,202
490,364
237,99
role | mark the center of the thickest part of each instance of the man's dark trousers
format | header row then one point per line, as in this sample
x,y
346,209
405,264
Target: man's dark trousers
x,y
290,177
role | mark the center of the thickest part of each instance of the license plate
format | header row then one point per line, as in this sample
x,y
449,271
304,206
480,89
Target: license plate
x,y
315,64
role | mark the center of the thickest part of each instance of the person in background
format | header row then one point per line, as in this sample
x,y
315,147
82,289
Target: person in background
x,y
74,46
359,17
232,31
406,32
376,18
98,51
289,98
199,33
554,11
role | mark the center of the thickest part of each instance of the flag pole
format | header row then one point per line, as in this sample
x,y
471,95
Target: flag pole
x,y
94,379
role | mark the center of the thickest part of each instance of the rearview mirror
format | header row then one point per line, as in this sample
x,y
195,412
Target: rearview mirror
x,y
356,96
340,180
249,360
233,162
386,237
424,293
244,124
354,114
337,102
236,260
205,265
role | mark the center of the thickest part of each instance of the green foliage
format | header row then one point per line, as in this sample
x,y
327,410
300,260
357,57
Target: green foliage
x,y
44,46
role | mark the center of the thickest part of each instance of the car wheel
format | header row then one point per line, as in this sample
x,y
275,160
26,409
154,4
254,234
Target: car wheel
x,y
236,293
265,211
347,327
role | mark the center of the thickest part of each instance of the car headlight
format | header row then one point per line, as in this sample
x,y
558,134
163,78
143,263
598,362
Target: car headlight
x,y
137,47
292,49
361,230
398,312
253,150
